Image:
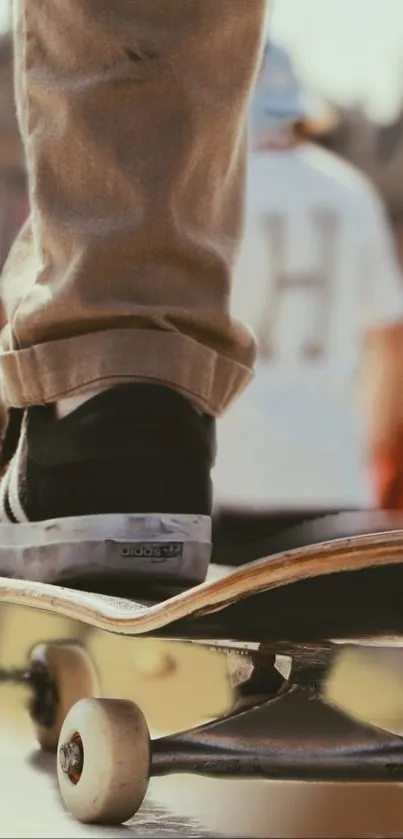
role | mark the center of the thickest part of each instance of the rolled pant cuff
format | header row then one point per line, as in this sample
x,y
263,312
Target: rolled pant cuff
x,y
47,372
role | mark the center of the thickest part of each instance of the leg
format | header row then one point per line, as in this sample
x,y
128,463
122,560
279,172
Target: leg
x,y
133,123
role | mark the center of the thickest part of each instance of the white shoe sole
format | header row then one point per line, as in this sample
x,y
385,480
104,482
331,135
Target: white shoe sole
x,y
134,546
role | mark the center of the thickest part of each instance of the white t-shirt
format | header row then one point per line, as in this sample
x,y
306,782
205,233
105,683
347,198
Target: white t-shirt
x,y
317,266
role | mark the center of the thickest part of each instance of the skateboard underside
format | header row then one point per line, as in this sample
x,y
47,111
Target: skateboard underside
x,y
281,727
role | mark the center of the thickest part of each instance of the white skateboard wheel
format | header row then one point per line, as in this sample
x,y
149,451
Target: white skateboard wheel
x,y
103,761
74,676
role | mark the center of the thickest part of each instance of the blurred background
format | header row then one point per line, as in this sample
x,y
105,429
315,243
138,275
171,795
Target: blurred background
x,y
348,55
351,53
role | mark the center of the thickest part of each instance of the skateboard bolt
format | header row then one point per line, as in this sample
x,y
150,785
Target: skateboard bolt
x,y
71,758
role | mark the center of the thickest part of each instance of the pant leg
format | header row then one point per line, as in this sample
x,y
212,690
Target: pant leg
x,y
132,115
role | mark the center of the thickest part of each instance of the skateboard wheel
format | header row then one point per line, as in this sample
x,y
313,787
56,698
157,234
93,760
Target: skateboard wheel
x,y
68,670
103,762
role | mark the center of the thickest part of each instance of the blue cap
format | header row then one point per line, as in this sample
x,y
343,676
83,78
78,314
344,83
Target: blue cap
x,y
279,97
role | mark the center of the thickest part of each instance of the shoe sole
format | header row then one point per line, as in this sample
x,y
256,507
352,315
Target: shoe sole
x,y
106,551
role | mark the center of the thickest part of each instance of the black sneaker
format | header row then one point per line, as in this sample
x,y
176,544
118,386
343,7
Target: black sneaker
x,y
116,493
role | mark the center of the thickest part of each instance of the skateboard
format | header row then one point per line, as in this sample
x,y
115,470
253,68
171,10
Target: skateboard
x,y
290,623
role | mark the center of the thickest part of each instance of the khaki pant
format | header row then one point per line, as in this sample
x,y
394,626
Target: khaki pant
x,y
132,114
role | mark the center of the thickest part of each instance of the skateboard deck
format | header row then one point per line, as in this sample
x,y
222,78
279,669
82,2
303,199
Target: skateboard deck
x,y
344,588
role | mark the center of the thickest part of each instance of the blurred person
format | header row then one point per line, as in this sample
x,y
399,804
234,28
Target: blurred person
x,y
119,350
375,149
319,283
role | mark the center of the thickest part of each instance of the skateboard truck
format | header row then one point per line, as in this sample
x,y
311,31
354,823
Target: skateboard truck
x,y
293,735
58,675
71,757
43,702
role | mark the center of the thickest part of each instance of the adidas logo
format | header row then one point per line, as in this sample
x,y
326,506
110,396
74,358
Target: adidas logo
x,y
158,551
